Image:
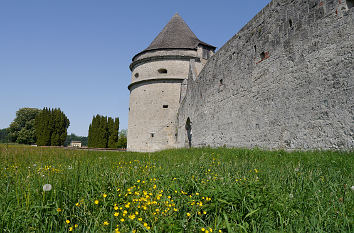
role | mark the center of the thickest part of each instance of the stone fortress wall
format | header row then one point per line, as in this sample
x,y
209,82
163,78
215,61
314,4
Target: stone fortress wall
x,y
284,81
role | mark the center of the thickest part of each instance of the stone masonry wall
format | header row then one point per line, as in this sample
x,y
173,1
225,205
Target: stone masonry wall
x,y
284,81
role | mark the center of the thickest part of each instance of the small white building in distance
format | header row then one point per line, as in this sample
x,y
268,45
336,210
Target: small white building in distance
x,y
75,144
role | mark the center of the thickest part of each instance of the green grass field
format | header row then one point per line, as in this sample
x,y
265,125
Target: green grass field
x,y
196,190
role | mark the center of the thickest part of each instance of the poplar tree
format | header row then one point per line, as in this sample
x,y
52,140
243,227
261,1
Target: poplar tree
x,y
103,132
51,127
113,133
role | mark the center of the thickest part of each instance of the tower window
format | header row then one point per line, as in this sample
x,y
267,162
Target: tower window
x,y
205,54
152,135
165,106
350,3
162,71
290,23
136,75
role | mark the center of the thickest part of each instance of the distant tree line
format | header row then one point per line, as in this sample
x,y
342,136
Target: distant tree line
x,y
51,127
103,132
73,137
47,127
4,135
122,139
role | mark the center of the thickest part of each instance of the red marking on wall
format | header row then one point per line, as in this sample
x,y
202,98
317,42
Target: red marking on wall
x,y
336,11
321,3
266,56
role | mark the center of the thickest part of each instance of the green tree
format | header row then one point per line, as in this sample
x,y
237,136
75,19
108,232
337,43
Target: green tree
x,y
4,135
22,129
122,141
113,128
103,132
93,134
51,127
43,126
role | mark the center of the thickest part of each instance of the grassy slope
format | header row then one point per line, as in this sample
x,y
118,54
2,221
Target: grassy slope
x,y
249,190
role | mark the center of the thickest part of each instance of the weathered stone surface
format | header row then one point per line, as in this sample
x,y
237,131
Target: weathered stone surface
x,y
284,81
158,79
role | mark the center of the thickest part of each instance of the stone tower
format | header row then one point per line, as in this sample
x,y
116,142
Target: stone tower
x,y
156,85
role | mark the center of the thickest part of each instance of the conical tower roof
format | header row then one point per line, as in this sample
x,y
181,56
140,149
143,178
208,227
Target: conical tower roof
x,y
176,35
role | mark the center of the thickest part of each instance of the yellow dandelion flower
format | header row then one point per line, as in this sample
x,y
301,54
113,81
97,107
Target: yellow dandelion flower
x,y
122,219
59,210
175,209
77,204
140,219
116,230
104,195
116,208
206,231
96,202
67,221
105,223
220,231
70,228
116,214
132,216
169,197
188,214
204,212
203,229
76,225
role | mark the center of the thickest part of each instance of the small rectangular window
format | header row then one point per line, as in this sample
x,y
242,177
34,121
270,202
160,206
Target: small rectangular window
x,y
152,135
165,106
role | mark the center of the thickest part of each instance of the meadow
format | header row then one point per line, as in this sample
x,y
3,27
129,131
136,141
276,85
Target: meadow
x,y
187,190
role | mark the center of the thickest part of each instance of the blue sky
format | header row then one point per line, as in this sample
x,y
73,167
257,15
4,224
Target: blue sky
x,y
75,54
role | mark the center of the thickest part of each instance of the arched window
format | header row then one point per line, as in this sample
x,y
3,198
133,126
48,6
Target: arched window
x,y
290,23
189,132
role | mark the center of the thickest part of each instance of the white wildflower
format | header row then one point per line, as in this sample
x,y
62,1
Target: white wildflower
x,y
352,188
291,195
47,187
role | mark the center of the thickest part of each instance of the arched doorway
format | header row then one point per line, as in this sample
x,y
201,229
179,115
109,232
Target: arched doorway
x,y
189,132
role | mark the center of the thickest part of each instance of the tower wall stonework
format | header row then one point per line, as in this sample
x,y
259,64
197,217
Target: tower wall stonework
x,y
155,98
284,81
